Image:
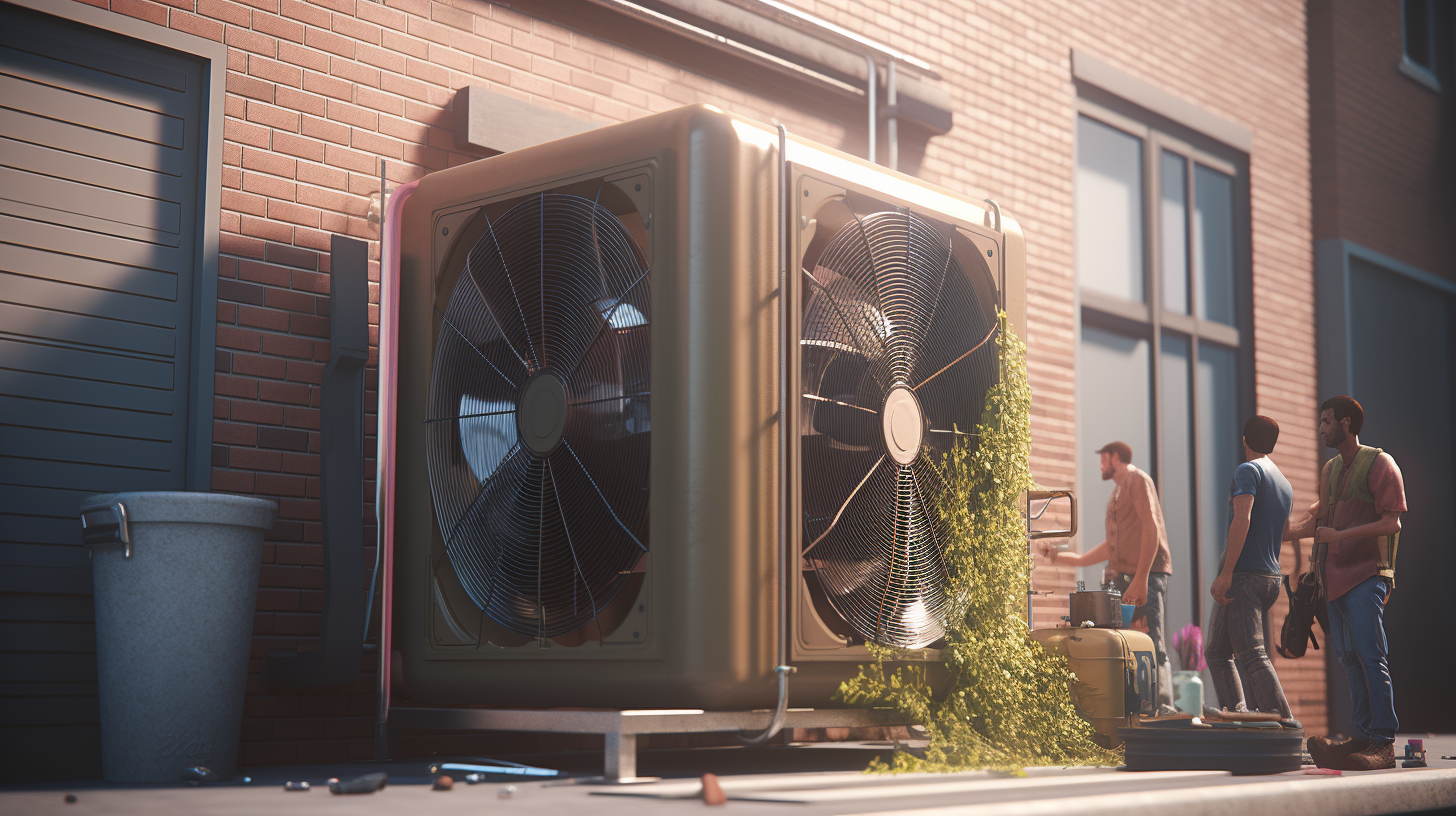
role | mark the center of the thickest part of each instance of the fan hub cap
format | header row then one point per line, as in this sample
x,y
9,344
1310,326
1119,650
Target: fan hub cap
x,y
541,413
904,425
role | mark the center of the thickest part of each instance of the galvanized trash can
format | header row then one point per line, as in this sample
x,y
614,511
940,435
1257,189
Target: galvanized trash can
x,y
176,583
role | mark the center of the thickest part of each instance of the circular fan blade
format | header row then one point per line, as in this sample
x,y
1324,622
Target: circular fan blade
x,y
539,468
888,383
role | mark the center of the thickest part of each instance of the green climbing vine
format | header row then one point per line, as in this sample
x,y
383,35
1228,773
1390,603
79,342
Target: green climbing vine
x,y
997,700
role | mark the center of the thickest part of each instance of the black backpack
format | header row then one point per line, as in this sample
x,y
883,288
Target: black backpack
x,y
1306,605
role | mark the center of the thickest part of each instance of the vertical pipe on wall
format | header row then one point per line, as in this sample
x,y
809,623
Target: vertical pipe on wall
x,y
892,128
871,91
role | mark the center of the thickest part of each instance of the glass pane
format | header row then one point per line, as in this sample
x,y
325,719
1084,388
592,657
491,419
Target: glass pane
x,y
1176,439
1219,452
1114,402
1109,210
1213,222
1173,231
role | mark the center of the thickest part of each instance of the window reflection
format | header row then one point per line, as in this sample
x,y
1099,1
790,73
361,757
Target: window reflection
x,y
1213,222
1109,210
1173,231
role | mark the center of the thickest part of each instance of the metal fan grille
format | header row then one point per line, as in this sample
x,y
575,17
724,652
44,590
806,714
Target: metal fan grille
x,y
890,331
540,427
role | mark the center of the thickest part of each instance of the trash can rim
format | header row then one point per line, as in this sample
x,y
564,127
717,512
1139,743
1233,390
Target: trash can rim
x,y
151,506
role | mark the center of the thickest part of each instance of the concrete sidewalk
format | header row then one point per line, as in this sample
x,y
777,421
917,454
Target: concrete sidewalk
x,y
816,780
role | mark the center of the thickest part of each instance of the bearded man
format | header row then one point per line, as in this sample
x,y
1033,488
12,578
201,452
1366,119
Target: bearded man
x,y
1356,527
1136,551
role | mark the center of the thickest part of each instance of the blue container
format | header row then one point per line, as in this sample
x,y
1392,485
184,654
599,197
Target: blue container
x,y
1127,610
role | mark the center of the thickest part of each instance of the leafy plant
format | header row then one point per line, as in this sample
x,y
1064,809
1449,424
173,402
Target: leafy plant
x,y
1001,701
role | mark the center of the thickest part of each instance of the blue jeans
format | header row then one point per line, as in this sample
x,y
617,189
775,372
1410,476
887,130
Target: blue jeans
x,y
1357,635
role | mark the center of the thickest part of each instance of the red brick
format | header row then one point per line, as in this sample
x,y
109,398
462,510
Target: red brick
x,y
267,163
241,245
379,145
403,86
381,14
323,176
274,484
267,230
273,117
255,366
274,71
243,339
270,186
231,481
238,131
303,57
311,282
264,273
229,433
142,10
382,102
302,418
294,393
426,72
289,300
226,11
300,101
235,386
350,159
243,203
239,37
193,24
250,87
330,42
291,256
302,148
404,44
355,29
287,31
293,213
328,86
237,291
305,12
285,346
262,318
309,324
352,71
311,373
380,58
316,128
258,413
255,459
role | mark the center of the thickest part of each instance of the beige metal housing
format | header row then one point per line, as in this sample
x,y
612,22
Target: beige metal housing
x,y
697,627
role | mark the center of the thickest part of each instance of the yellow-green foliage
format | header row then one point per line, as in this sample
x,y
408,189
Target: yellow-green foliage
x,y
1004,703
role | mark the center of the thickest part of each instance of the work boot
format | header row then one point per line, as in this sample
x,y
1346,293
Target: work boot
x,y
1377,756
1327,752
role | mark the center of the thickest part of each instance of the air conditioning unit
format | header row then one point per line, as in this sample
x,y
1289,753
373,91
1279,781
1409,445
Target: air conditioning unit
x,y
594,383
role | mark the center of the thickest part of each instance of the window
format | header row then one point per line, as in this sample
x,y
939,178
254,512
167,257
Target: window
x,y
1162,270
1419,25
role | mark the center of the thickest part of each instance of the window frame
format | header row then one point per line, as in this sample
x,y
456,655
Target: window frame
x,y
1423,74
1150,319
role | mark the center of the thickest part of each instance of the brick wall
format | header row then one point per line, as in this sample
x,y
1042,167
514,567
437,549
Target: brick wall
x,y
318,93
1385,145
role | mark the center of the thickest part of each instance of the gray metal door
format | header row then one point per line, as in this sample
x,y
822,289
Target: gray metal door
x,y
99,161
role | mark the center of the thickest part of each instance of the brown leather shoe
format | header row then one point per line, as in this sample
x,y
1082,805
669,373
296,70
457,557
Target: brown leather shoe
x,y
1328,752
1376,757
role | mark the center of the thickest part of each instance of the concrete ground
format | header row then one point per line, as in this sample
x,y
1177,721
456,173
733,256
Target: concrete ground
x,y
811,780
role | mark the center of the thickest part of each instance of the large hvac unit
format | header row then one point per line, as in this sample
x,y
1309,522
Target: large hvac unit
x,y
595,378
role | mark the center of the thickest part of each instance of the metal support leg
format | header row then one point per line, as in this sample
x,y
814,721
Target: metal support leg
x,y
621,757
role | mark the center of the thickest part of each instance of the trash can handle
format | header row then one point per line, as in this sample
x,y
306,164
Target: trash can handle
x,y
103,531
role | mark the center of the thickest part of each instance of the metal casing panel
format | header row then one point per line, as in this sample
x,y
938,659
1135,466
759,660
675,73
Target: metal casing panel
x,y
711,580
713,511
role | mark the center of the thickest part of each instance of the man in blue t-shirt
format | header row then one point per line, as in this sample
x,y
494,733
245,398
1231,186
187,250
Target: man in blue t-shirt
x,y
1259,503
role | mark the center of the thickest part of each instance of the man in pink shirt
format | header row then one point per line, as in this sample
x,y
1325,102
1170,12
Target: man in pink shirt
x,y
1136,551
1356,528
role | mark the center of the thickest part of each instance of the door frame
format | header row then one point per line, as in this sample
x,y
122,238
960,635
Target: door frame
x,y
203,335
